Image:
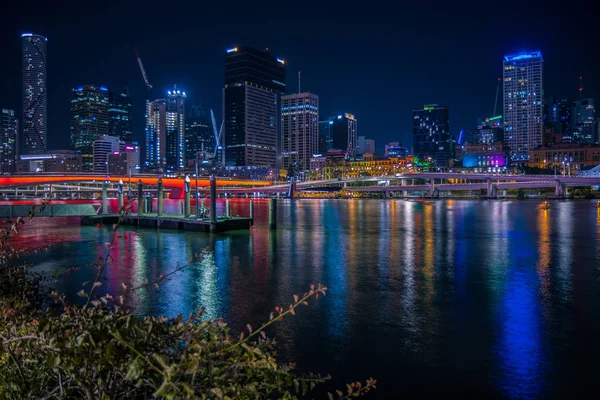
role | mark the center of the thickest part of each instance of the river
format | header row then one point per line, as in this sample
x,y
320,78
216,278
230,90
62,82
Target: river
x,y
431,298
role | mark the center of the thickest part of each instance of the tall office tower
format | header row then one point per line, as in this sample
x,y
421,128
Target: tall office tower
x,y
564,120
156,135
9,134
35,129
431,134
344,134
299,130
325,139
199,138
583,121
119,115
523,108
103,146
175,134
89,121
254,82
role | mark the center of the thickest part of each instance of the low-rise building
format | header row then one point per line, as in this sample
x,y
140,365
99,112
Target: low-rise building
x,y
575,156
484,157
63,161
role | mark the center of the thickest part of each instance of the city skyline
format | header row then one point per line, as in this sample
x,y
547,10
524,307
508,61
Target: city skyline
x,y
356,88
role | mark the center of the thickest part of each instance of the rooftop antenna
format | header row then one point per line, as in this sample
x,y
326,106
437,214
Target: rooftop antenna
x,y
496,102
299,81
580,87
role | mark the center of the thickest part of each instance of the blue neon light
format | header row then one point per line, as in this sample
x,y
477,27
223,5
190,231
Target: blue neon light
x,y
460,137
523,56
231,50
80,89
103,88
27,34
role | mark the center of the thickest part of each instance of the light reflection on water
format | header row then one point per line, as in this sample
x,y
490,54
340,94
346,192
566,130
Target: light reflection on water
x,y
490,298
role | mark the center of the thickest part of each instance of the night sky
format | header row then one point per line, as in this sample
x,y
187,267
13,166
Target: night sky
x,y
378,62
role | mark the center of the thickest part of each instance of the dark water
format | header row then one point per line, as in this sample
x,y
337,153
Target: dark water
x,y
476,298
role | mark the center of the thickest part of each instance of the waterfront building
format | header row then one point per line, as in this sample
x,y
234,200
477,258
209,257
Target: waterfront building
x,y
9,134
372,166
325,140
431,134
344,134
199,137
254,82
59,161
34,72
523,103
89,121
175,130
484,157
119,116
574,156
103,146
299,130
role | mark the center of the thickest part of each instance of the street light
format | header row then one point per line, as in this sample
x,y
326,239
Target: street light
x,y
197,193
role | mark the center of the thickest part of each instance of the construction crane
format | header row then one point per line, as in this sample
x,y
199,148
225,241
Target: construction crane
x,y
139,59
496,102
217,134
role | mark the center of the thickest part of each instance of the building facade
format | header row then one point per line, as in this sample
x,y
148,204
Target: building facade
x,y
344,134
125,161
65,161
9,142
254,82
299,130
89,121
523,103
175,130
119,116
572,156
431,134
395,149
488,131
103,146
199,136
34,70
484,157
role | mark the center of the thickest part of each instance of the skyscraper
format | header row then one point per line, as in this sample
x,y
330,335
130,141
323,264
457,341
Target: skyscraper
x,y
431,134
254,82
156,134
9,131
325,139
34,93
199,138
299,130
365,145
523,103
89,121
583,121
119,115
344,134
175,133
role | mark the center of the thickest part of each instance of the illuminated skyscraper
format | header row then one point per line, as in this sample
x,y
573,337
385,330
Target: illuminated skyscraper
x,y
103,146
431,134
299,130
156,134
34,93
325,139
584,121
89,121
119,114
199,137
344,134
9,131
175,130
254,82
523,103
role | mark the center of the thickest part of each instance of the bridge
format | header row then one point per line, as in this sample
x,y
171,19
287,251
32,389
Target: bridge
x,y
429,183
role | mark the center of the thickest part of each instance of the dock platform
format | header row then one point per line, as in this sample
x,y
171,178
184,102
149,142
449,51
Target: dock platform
x,y
178,222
